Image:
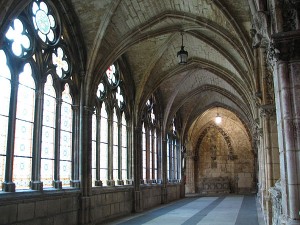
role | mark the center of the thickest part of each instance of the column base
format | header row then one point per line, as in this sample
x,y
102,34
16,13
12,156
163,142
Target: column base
x,y
36,185
75,183
120,182
129,182
98,183
8,186
111,183
57,184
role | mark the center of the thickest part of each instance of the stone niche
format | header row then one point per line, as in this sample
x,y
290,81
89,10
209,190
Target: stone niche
x,y
223,162
214,185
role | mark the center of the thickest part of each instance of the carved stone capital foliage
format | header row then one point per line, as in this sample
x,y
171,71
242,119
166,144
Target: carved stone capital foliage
x,y
267,111
260,31
287,45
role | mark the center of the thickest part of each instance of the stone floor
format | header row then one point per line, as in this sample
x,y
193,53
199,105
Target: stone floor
x,y
222,210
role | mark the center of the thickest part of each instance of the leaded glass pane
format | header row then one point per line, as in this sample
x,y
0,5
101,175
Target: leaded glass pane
x,y
111,74
59,60
66,137
17,34
43,22
144,152
124,148
5,89
22,172
150,154
47,172
65,172
103,146
24,129
48,132
115,146
2,167
155,155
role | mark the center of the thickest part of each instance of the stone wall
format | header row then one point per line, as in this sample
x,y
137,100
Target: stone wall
x,y
111,202
63,207
151,196
35,208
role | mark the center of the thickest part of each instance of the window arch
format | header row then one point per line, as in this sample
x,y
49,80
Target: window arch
x,y
113,134
34,152
173,154
150,154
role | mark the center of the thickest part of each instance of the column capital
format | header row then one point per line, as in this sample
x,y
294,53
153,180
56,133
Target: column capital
x,y
285,46
267,111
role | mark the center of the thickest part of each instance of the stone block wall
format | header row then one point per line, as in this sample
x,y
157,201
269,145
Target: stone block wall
x,y
152,196
47,208
111,202
173,191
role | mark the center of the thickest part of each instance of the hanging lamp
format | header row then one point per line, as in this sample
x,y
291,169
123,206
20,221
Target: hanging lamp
x,y
182,55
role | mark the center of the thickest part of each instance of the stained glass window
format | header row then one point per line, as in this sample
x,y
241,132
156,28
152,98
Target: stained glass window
x,y
60,62
48,134
103,146
5,88
66,137
168,157
124,148
155,154
144,152
24,129
94,144
111,74
150,154
44,22
18,35
115,146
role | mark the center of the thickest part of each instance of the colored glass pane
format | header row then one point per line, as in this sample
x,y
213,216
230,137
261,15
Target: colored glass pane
x,y
48,132
124,148
103,146
66,137
24,129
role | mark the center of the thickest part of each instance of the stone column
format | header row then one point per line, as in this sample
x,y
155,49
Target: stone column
x,y
85,162
75,182
164,170
35,183
57,182
287,90
137,156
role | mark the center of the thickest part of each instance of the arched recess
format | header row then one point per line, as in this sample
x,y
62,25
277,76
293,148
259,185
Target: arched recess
x,y
222,157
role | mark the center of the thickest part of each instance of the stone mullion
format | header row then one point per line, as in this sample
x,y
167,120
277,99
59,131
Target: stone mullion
x,y
129,155
98,182
164,170
56,182
137,158
147,155
110,181
8,185
120,181
35,183
75,182
159,155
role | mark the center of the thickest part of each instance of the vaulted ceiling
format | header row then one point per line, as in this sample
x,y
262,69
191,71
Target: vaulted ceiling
x,y
147,34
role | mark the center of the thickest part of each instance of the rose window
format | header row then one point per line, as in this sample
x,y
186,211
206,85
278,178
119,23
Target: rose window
x,y
43,22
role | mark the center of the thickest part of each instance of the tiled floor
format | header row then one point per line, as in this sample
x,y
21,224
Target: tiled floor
x,y
223,210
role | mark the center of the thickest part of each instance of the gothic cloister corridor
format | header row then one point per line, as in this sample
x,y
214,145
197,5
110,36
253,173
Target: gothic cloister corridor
x,y
111,108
